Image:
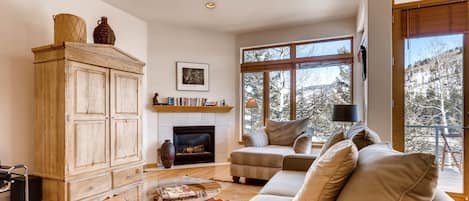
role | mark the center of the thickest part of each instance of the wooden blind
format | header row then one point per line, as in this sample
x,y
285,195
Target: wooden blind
x,y
435,20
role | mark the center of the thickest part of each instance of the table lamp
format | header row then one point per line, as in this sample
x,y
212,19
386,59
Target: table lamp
x,y
251,104
345,113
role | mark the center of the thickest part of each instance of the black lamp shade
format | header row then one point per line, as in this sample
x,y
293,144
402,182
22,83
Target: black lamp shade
x,y
345,113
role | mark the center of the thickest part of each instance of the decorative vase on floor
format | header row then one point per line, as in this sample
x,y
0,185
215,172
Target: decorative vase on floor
x,y
168,153
103,34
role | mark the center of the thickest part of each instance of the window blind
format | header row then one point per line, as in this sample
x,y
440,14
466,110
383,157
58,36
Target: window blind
x,y
435,20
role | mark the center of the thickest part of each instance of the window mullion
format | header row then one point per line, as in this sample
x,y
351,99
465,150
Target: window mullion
x,y
292,51
266,97
293,92
293,83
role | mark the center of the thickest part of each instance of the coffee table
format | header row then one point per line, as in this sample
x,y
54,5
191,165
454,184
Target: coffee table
x,y
200,189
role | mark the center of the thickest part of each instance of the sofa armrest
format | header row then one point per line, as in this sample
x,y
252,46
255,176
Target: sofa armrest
x,y
303,144
298,162
258,139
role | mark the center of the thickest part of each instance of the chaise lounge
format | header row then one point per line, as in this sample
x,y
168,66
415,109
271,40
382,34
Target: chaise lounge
x,y
263,155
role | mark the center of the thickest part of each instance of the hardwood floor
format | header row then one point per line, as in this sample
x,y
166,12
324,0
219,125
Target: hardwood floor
x,y
219,173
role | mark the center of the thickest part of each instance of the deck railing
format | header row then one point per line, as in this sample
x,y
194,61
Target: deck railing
x,y
438,136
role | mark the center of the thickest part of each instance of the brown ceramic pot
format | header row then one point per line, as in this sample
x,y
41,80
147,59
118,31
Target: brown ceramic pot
x,y
103,34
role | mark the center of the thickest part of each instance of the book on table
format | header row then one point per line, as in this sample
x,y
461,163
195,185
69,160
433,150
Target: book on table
x,y
177,192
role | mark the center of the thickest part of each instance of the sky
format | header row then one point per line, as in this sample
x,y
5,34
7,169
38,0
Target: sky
x,y
318,76
417,49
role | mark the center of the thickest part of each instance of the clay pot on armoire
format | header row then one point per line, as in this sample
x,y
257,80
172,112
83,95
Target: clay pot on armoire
x,y
103,34
168,154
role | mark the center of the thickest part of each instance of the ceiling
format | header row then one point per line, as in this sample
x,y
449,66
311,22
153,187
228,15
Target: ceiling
x,y
238,16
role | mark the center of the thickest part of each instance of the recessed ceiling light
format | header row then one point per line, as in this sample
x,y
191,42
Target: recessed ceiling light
x,y
210,5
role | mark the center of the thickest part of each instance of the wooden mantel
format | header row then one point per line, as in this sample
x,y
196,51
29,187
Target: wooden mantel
x,y
201,109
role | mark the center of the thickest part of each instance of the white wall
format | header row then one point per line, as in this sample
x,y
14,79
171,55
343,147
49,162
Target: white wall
x,y
168,44
329,29
361,39
26,24
380,67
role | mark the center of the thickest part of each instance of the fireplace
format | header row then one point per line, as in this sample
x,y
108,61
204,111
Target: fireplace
x,y
194,144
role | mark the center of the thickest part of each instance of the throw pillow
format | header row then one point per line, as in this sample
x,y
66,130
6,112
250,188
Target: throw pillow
x,y
257,139
284,133
328,174
385,174
303,144
335,138
362,136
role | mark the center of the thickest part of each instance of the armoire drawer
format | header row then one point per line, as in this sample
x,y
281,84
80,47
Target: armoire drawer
x,y
133,194
89,187
126,176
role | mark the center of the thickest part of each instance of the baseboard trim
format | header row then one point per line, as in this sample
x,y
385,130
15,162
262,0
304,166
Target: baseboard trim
x,y
153,167
150,165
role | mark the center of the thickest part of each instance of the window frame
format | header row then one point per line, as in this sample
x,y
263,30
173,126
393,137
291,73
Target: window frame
x,y
288,65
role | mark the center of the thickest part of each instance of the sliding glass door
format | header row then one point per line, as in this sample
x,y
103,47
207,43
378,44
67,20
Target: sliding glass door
x,y
431,88
434,103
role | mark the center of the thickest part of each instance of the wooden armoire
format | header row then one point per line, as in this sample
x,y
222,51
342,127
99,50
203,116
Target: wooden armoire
x,y
88,122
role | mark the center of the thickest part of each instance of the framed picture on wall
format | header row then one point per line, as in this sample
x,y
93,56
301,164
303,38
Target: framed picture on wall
x,y
192,76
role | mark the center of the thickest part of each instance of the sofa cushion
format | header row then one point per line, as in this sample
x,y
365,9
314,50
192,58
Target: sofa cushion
x,y
303,144
385,174
284,133
336,137
257,139
268,156
328,174
362,136
284,183
270,198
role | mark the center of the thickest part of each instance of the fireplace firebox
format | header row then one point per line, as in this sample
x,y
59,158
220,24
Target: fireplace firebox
x,y
194,144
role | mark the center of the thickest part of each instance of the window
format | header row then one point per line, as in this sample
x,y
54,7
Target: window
x,y
253,88
279,95
318,87
267,54
304,83
334,47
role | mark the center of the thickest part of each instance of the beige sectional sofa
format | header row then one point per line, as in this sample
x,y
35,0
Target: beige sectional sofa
x,y
419,182
284,185
263,155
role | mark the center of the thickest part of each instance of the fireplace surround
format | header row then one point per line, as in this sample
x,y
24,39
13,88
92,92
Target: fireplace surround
x,y
194,144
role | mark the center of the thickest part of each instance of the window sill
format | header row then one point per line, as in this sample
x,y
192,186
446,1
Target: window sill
x,y
318,145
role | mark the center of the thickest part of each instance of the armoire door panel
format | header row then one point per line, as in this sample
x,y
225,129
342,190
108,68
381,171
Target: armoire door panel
x,y
89,89
125,141
125,117
88,145
126,94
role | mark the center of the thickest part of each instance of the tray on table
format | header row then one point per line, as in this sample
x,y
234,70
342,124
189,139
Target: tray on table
x,y
186,189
